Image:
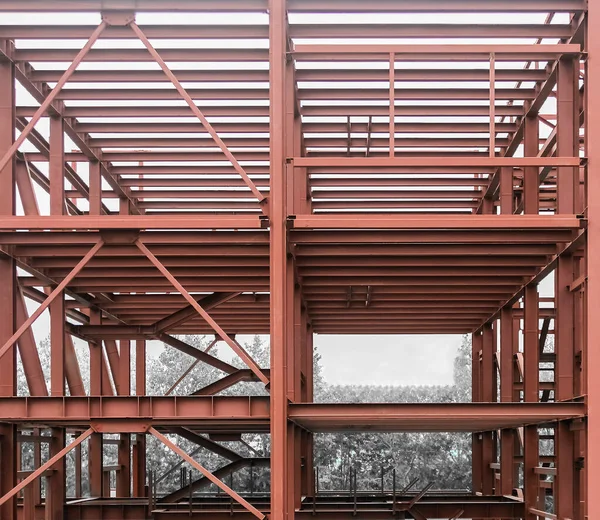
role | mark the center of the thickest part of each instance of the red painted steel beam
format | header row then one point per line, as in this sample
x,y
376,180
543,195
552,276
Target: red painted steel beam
x,y
259,111
304,75
222,472
305,94
197,353
310,6
479,507
8,294
36,380
131,222
296,30
38,92
53,95
416,417
206,443
208,413
489,222
436,6
235,346
465,52
207,474
179,240
110,414
184,314
48,464
51,297
183,93
417,162
227,382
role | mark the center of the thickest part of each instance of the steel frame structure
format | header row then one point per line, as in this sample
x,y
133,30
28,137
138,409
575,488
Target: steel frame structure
x,y
425,183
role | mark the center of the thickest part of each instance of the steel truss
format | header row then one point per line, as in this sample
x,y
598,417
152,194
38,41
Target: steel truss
x,y
428,191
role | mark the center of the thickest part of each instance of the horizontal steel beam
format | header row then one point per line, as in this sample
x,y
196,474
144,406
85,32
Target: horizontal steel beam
x,y
308,94
429,417
302,75
206,413
327,508
303,6
324,110
296,30
412,52
489,222
131,222
417,162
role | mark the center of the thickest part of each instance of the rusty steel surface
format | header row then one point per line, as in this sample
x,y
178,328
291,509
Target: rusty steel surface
x,y
292,168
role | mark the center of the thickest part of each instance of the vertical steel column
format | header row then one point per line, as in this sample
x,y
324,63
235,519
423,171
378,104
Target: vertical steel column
x,y
531,387
567,134
56,492
507,446
78,468
308,397
57,307
95,442
292,319
592,461
579,339
124,456
95,188
8,282
567,145
487,396
506,191
477,442
531,179
112,354
37,462
72,369
392,101
280,507
139,449
32,366
492,105
293,309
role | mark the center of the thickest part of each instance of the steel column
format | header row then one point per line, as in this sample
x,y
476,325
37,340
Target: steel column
x,y
476,396
567,141
95,449
593,258
124,449
531,183
280,481
139,448
531,394
8,282
488,380
507,448
56,482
